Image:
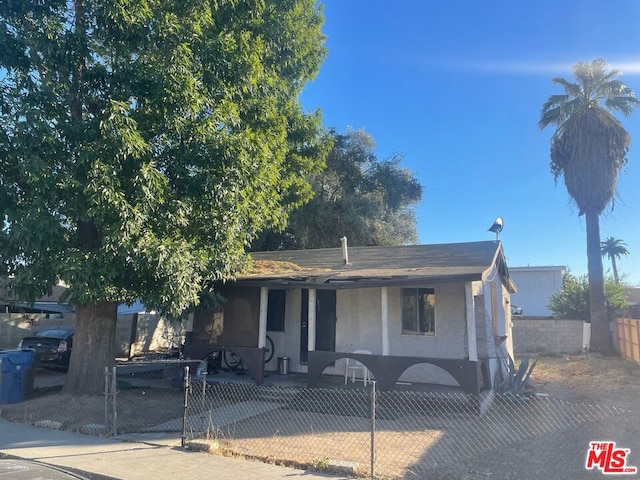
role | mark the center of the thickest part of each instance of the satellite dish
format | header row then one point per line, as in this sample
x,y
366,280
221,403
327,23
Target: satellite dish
x,y
496,227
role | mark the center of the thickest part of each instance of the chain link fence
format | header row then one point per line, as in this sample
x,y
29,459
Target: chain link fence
x,y
354,429
139,396
399,434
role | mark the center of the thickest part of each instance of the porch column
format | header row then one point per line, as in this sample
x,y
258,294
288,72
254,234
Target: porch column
x,y
262,326
311,332
385,320
471,322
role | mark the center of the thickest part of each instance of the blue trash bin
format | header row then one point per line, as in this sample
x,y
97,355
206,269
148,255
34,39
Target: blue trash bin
x,y
14,365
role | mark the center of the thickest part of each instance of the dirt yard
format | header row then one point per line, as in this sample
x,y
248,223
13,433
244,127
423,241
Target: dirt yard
x,y
590,379
590,398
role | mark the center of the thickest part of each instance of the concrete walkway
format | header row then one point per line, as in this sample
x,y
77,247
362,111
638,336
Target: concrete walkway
x,y
135,457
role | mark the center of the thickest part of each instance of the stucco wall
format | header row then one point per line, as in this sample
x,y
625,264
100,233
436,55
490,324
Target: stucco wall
x,y
535,287
547,336
359,326
153,332
359,323
493,300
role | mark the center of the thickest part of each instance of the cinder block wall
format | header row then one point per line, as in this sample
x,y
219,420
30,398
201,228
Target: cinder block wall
x,y
152,332
14,326
547,336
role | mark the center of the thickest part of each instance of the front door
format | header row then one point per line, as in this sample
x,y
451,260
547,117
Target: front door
x,y
325,323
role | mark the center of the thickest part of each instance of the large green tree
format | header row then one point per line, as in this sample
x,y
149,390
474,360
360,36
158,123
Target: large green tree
x,y
588,149
370,201
144,144
614,248
572,300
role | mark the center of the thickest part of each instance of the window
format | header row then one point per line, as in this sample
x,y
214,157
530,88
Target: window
x,y
418,311
275,310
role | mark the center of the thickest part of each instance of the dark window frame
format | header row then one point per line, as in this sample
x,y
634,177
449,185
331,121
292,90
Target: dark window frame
x,y
419,311
276,306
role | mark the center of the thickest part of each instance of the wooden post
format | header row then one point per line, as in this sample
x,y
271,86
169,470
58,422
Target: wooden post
x,y
384,300
312,321
262,328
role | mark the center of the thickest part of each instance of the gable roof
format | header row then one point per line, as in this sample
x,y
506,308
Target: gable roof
x,y
378,266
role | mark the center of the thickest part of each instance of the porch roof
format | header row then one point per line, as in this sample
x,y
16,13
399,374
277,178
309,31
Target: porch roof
x,y
378,266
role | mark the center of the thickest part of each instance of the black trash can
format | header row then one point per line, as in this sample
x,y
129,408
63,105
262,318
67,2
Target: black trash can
x,y
283,365
14,366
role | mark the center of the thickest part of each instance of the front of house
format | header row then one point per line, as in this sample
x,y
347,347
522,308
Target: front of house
x,y
435,314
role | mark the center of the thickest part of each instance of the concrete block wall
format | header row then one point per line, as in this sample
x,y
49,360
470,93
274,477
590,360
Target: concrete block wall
x,y
553,336
15,326
153,332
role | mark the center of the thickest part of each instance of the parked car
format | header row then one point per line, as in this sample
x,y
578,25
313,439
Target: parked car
x,y
52,345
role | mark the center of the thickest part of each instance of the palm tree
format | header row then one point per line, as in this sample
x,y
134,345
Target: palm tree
x,y
588,149
613,248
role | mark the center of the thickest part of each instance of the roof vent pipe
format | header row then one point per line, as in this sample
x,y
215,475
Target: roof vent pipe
x,y
345,250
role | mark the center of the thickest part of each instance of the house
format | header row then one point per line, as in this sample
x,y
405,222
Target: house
x,y
632,295
49,305
536,285
137,329
427,313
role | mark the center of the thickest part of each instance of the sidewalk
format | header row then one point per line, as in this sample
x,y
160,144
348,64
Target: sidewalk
x,y
135,457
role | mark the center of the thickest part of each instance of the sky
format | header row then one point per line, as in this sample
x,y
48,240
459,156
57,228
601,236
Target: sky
x,y
456,88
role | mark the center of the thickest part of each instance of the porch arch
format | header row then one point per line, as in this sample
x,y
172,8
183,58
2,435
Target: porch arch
x,y
387,369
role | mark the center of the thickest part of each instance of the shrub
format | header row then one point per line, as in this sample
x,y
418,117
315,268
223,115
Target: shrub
x,y
572,301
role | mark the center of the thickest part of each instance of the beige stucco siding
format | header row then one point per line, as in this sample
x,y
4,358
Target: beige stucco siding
x,y
359,327
359,324
449,340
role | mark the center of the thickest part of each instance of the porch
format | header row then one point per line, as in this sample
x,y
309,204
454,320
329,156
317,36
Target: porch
x,y
324,381
472,376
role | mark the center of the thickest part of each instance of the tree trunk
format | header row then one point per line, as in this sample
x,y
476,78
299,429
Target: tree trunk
x,y
600,333
615,269
93,348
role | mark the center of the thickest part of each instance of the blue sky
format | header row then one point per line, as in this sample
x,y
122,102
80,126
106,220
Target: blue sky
x,y
456,88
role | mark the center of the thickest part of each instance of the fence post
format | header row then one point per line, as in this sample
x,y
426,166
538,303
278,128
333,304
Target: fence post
x,y
185,386
114,390
107,383
110,407
373,429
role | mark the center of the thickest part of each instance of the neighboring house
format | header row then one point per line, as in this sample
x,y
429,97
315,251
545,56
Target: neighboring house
x,y
536,285
49,305
137,330
427,313
632,295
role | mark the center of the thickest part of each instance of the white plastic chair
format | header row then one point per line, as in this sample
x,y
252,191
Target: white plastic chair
x,y
354,366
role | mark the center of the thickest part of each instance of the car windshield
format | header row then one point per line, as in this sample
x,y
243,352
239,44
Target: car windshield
x,y
53,332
